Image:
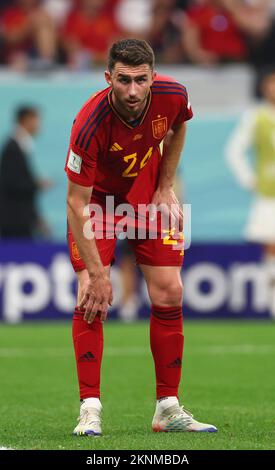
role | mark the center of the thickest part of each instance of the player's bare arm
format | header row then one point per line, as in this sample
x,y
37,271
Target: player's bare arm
x,y
97,293
171,155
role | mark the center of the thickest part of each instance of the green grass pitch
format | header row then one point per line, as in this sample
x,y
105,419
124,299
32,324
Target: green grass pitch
x,y
228,380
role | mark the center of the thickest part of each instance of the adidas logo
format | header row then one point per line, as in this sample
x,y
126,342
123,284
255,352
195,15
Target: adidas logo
x,y
176,363
115,147
87,357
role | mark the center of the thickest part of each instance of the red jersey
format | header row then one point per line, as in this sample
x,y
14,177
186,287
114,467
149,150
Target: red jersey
x,y
120,158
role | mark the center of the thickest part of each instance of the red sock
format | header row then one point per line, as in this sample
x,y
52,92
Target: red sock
x,y
88,347
166,338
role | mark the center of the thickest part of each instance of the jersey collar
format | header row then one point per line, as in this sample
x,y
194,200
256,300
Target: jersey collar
x,y
142,117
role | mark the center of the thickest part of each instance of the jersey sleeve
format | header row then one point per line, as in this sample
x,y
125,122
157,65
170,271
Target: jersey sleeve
x,y
184,108
81,162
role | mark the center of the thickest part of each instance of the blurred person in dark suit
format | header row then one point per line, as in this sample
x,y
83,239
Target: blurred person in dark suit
x,y
19,187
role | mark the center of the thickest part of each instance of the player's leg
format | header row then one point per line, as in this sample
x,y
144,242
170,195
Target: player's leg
x,y
88,343
88,347
166,326
161,261
166,338
128,278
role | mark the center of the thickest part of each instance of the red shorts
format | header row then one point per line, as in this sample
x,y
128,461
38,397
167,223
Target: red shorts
x,y
162,251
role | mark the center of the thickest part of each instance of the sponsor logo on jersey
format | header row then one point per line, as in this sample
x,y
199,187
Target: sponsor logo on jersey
x,y
159,127
115,147
74,162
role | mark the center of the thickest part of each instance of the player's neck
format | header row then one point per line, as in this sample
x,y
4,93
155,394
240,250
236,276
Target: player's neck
x,y
125,115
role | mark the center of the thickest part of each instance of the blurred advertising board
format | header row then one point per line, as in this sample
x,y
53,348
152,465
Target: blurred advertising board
x,y
220,281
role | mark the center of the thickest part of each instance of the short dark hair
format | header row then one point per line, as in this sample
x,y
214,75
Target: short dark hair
x,y
131,52
23,111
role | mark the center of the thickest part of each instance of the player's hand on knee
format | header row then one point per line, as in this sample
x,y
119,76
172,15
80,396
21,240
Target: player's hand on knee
x,y
84,294
170,207
104,309
89,316
176,214
96,297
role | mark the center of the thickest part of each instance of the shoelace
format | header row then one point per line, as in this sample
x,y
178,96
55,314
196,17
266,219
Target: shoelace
x,y
185,414
87,417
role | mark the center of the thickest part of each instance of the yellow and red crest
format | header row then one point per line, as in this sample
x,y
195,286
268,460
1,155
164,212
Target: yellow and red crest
x,y
159,127
75,252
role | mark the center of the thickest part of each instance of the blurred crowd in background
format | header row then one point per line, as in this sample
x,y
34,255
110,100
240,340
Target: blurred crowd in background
x,y
45,34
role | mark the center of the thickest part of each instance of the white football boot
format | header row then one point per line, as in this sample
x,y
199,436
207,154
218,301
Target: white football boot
x,y
89,422
176,418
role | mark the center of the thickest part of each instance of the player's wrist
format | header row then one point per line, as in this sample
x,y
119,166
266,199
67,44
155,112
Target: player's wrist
x,y
96,272
165,186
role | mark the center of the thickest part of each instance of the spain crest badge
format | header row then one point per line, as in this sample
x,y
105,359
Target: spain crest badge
x,y
159,127
75,252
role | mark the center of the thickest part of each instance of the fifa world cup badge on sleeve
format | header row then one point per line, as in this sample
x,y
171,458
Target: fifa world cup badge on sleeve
x,y
159,127
74,162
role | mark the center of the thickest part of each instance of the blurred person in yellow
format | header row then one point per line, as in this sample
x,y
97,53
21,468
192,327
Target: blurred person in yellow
x,y
19,187
256,132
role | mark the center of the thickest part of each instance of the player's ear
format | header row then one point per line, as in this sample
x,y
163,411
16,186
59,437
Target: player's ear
x,y
108,77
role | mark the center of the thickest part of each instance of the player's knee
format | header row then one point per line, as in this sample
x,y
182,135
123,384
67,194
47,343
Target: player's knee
x,y
167,294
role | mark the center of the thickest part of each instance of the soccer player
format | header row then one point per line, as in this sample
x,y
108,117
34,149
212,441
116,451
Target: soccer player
x,y
115,150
